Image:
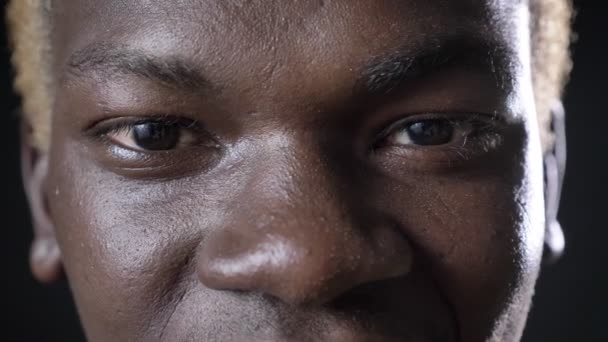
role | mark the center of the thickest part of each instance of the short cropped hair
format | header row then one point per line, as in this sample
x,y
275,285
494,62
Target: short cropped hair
x,y
29,35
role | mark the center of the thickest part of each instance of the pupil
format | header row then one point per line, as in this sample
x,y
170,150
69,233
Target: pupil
x,y
431,132
156,136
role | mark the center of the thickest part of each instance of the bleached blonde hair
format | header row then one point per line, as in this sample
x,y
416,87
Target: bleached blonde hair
x,y
28,23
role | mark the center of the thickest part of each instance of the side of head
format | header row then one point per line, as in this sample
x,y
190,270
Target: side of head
x,y
335,170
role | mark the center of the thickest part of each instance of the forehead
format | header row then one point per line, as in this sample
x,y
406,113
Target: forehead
x,y
268,15
306,30
312,52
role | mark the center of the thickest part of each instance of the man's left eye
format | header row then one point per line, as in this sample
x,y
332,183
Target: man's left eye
x,y
427,132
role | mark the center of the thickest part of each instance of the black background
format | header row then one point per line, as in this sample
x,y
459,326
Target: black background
x,y
571,299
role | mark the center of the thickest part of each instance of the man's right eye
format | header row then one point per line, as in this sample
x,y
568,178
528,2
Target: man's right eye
x,y
152,135
162,147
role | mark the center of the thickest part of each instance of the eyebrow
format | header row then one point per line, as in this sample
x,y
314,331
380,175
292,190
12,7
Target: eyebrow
x,y
389,72
111,61
381,75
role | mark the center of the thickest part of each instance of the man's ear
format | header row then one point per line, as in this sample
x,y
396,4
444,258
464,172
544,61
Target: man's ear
x,y
45,257
555,166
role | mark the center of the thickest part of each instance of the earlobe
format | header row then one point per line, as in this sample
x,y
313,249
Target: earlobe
x,y
554,166
45,259
45,256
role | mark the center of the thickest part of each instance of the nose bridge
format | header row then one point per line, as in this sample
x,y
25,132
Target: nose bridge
x,y
295,233
300,174
297,173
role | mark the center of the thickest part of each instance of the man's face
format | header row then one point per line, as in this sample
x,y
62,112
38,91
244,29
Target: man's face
x,y
296,170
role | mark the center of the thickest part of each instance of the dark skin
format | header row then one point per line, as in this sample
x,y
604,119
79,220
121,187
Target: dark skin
x,y
294,170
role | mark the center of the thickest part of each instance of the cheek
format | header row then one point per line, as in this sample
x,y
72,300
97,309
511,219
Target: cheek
x,y
127,246
481,234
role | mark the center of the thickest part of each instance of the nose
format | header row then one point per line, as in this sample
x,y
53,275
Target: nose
x,y
294,235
